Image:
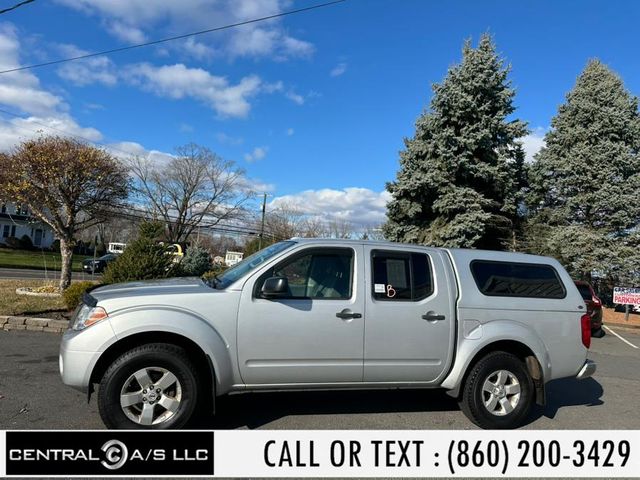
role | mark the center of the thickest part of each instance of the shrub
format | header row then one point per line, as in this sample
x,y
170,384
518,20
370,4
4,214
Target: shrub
x,y
26,243
12,242
72,296
215,271
196,262
143,259
55,246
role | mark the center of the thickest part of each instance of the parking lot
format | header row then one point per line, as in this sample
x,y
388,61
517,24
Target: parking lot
x,y
33,397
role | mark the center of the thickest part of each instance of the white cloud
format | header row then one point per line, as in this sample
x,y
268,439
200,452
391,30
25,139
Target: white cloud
x,y
258,153
299,48
185,128
47,114
178,81
290,131
127,150
125,32
196,49
295,97
21,129
86,71
22,89
225,139
358,206
129,20
338,69
533,142
256,185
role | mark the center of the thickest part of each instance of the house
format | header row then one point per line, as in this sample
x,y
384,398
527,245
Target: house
x,y
16,221
231,258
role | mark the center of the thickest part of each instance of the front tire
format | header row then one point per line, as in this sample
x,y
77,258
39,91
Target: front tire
x,y
152,386
498,392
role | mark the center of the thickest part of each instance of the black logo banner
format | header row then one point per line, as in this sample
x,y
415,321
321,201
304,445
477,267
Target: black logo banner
x,y
109,453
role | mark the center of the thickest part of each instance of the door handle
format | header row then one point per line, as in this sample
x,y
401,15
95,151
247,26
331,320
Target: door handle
x,y
347,314
432,317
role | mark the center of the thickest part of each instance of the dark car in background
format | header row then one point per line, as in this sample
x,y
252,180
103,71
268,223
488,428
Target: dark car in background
x,y
98,265
594,307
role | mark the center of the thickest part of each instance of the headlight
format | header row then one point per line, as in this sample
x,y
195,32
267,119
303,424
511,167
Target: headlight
x,y
87,316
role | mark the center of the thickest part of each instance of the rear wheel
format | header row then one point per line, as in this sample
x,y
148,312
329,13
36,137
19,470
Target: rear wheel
x,y
153,386
498,392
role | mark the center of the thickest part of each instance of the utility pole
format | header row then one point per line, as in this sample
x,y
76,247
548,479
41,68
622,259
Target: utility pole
x,y
264,209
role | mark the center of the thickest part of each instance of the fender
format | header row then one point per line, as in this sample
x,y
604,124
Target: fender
x,y
162,318
492,332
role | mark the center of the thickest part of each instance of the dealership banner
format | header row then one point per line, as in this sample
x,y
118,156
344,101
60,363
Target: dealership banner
x,y
626,296
321,453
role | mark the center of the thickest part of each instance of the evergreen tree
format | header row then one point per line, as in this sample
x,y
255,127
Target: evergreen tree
x,y
585,183
460,176
196,262
144,259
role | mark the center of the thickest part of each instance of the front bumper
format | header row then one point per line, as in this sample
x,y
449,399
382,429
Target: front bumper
x,y
587,370
75,364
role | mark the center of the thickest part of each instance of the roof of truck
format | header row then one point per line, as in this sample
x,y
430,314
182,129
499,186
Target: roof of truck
x,y
456,253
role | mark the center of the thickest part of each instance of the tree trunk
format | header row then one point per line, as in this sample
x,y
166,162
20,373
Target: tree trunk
x,y
66,251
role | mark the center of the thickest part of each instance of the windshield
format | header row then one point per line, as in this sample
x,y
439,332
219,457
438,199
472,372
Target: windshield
x,y
248,264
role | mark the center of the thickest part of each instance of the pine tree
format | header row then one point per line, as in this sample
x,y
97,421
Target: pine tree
x,y
460,176
585,183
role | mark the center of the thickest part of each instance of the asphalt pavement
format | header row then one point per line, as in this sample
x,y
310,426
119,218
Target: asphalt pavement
x,y
33,397
32,274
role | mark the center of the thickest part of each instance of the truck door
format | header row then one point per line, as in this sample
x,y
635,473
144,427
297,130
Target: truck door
x,y
315,333
410,326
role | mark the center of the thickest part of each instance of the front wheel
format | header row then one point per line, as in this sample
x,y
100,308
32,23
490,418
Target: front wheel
x,y
498,392
149,387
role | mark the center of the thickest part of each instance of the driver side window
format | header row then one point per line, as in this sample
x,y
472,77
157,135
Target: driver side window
x,y
319,274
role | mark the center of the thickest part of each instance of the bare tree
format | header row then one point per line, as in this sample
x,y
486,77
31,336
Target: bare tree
x,y
196,187
339,228
372,232
313,227
66,184
284,221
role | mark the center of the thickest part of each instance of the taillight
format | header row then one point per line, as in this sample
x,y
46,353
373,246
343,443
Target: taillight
x,y
585,325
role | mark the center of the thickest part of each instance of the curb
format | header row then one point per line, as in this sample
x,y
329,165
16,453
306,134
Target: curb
x,y
622,325
33,324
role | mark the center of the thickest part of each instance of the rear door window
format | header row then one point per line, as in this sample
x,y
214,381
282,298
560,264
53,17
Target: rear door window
x,y
401,276
511,279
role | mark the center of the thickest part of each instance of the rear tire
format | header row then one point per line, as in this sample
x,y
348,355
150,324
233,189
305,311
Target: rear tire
x,y
498,392
126,401
599,333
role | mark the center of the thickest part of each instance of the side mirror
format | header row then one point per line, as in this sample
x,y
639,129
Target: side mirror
x,y
275,287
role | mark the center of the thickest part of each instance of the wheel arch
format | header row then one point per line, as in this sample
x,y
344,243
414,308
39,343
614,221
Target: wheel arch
x,y
534,356
201,359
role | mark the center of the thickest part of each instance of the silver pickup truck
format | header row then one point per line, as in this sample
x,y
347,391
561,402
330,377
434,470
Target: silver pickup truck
x,y
491,328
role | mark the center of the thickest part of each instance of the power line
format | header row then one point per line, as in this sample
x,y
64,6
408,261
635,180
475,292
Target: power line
x,y
170,39
17,5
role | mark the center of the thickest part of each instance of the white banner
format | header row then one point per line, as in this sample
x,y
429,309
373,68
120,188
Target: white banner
x,y
345,453
626,296
420,453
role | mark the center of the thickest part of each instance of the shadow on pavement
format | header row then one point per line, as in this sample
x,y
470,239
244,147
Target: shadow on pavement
x,y
253,410
569,392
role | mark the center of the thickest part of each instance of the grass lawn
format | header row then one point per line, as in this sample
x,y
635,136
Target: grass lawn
x,y
36,260
13,304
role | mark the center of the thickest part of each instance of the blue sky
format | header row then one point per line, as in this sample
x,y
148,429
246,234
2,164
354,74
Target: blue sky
x,y
314,106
